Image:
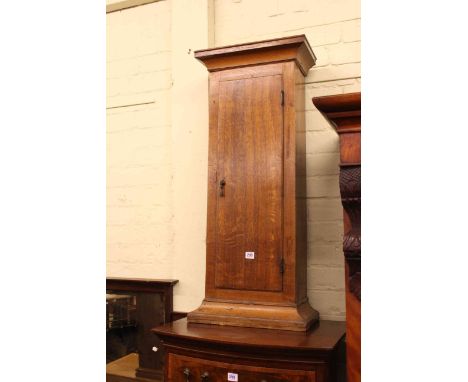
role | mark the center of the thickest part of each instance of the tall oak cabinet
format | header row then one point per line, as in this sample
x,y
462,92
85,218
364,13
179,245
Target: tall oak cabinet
x,y
257,236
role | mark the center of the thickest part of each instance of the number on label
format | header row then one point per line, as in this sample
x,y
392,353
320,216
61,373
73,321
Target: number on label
x,y
250,255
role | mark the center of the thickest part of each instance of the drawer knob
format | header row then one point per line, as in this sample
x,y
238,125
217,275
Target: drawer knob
x,y
187,373
204,376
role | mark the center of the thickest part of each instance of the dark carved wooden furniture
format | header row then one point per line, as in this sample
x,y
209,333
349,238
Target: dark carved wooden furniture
x,y
209,353
256,233
153,308
344,112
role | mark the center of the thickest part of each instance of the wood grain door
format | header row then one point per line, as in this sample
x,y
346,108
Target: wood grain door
x,y
250,183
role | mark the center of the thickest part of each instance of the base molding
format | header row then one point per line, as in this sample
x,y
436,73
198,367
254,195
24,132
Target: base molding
x,y
295,318
143,372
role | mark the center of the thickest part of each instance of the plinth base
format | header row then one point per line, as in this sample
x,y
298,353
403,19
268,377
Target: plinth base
x,y
296,318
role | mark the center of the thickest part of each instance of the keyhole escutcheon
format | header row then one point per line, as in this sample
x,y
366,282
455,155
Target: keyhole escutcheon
x,y
222,184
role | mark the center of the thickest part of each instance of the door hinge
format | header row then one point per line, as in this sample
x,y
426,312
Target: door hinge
x,y
282,97
282,266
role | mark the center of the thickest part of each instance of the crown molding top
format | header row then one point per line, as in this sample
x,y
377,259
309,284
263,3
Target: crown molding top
x,y
293,48
342,110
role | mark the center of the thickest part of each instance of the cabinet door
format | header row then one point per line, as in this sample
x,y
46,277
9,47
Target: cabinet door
x,y
250,183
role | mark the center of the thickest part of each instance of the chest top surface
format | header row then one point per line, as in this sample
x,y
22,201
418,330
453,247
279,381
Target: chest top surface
x,y
323,336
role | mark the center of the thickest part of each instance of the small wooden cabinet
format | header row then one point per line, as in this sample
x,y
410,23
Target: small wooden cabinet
x,y
210,353
153,307
256,254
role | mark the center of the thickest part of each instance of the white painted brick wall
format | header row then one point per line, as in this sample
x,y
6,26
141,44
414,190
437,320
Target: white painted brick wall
x,y
351,30
344,53
139,234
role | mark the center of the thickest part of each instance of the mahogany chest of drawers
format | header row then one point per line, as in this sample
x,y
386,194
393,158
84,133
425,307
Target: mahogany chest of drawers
x,y
209,353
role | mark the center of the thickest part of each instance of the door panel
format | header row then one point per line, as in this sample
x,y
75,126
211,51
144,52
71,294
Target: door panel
x,y
249,206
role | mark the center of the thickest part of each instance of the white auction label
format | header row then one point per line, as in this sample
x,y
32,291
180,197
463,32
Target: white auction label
x,y
232,377
250,255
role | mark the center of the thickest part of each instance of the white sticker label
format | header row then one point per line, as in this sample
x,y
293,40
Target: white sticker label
x,y
232,376
250,255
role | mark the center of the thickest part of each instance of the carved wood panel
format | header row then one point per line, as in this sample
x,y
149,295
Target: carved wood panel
x,y
350,187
